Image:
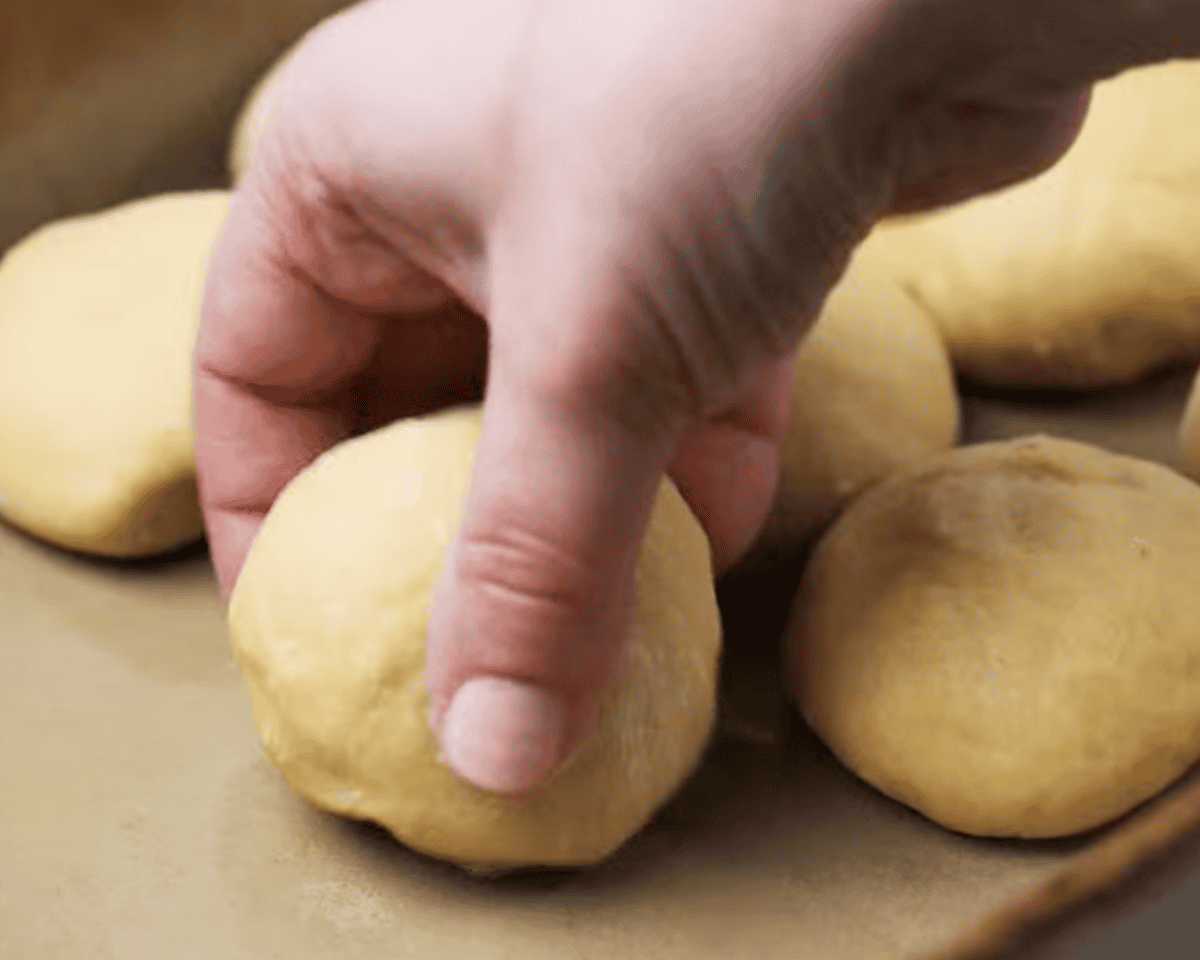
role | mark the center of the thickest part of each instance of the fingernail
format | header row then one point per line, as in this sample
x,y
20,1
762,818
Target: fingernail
x,y
503,735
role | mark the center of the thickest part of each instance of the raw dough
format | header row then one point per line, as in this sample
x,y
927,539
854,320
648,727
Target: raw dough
x,y
1086,276
873,391
328,619
98,316
1189,434
1007,638
252,117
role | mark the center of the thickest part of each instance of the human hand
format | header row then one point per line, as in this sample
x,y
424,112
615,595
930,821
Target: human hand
x,y
625,215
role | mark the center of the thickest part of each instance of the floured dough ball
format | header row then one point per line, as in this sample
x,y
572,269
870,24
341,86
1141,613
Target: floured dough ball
x,y
98,317
248,126
329,617
1007,638
873,391
1089,274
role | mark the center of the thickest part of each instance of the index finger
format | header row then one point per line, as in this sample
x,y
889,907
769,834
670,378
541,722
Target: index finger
x,y
299,299
270,356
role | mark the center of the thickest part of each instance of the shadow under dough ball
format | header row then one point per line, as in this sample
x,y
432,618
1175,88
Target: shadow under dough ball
x,y
1007,638
1086,276
329,618
98,318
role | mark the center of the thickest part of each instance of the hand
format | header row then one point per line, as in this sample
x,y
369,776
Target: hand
x,y
625,215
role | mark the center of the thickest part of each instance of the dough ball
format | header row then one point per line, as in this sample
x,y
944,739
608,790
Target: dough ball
x,y
98,317
252,117
873,391
329,619
1007,638
1189,434
1086,276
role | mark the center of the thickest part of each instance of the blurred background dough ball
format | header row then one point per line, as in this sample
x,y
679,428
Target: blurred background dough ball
x,y
1086,276
329,619
98,318
873,391
252,117
1007,638
1189,433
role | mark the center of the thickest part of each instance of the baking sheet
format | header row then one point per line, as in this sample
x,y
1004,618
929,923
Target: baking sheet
x,y
139,818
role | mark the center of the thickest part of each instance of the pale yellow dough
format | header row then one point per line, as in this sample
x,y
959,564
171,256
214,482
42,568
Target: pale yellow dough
x,y
1007,638
873,391
98,316
1086,276
328,619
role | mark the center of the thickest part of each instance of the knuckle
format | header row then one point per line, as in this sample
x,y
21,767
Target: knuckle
x,y
526,572
716,303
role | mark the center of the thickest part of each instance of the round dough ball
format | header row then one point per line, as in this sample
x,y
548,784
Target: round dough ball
x,y
1089,274
98,318
329,616
252,117
1007,638
1189,434
873,391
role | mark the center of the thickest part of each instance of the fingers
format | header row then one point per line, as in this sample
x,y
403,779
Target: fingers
x,y
533,609
592,388
247,450
969,98
975,148
727,467
270,357
293,347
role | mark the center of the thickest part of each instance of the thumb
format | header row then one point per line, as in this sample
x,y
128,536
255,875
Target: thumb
x,y
530,618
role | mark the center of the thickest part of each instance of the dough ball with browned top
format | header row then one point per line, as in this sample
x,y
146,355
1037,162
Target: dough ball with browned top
x,y
329,618
1007,638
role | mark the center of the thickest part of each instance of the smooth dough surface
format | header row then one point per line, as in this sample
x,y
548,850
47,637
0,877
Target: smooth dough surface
x,y
328,619
1007,638
873,391
98,317
1089,274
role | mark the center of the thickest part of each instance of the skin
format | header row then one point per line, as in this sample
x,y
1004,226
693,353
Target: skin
x,y
623,216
